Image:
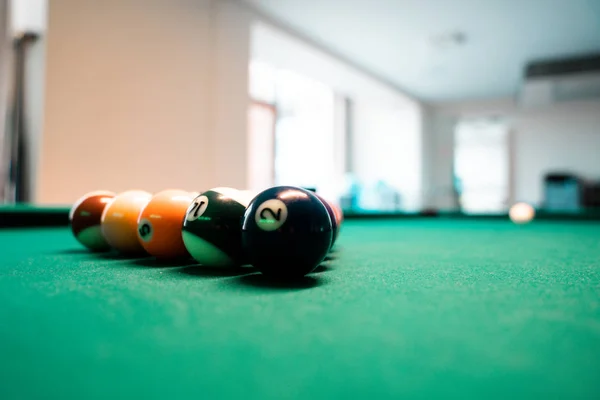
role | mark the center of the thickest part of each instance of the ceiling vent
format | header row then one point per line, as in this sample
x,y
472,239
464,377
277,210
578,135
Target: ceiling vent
x,y
553,81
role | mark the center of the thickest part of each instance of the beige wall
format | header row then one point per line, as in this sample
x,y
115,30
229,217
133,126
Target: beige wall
x,y
562,136
231,53
146,94
438,146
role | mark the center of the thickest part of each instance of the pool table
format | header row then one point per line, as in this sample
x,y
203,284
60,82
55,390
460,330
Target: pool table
x,y
416,307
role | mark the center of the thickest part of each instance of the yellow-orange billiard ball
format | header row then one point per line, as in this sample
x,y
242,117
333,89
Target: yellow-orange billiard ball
x,y
119,221
521,213
85,217
160,222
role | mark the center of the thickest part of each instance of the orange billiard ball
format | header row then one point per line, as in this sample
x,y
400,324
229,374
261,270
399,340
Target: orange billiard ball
x,y
339,216
160,222
119,221
85,217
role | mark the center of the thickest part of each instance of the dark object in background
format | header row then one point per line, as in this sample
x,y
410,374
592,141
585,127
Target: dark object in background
x,y
562,192
29,216
16,142
429,212
591,195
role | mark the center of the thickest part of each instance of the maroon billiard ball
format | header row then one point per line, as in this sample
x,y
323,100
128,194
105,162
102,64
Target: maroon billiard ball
x,y
85,217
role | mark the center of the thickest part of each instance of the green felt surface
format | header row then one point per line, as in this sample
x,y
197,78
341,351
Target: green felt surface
x,y
407,309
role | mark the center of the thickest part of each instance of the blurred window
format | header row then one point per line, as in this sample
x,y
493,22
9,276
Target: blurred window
x,y
261,135
481,165
304,128
387,158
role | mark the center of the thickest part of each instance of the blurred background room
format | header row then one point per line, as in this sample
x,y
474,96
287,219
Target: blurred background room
x,y
383,106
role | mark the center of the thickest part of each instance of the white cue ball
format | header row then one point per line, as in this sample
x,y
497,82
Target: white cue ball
x,y
521,213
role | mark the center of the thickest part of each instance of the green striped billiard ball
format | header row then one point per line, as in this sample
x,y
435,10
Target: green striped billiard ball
x,y
212,227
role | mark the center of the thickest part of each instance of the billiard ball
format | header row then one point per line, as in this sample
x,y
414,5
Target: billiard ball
x,y
286,232
211,229
159,224
339,217
332,217
521,213
119,221
85,217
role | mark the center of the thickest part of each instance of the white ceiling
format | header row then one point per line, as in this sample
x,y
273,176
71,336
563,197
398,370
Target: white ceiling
x,y
393,39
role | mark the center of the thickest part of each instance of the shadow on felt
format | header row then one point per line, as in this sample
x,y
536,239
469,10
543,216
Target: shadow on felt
x,y
263,282
151,262
116,256
78,252
334,249
102,254
322,268
214,272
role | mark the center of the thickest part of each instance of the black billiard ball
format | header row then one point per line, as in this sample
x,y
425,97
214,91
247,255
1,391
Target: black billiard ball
x,y
286,232
332,216
211,229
